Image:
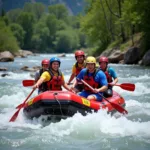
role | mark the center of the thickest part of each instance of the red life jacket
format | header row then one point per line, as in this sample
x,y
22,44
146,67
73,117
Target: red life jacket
x,y
90,80
55,82
78,69
108,76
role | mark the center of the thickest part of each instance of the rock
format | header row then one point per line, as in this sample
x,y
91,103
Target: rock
x,y
132,56
61,55
146,59
4,74
116,57
3,69
23,53
26,68
6,56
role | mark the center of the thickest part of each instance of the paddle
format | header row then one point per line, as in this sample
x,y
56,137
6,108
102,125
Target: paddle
x,y
13,118
126,86
116,106
28,82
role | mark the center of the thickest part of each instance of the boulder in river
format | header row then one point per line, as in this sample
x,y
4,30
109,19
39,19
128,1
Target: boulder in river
x,y
23,53
132,56
6,56
3,69
61,55
146,59
26,68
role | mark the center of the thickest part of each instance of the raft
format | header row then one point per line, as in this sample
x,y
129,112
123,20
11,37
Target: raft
x,y
59,105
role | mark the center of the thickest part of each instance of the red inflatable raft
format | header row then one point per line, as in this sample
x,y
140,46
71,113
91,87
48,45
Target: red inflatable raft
x,y
63,104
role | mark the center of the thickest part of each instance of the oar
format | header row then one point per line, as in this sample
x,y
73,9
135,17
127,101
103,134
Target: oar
x,y
28,82
126,86
13,118
116,106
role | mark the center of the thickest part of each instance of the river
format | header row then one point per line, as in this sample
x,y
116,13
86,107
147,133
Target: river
x,y
96,131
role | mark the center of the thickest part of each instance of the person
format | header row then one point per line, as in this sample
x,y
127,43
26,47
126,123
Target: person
x,y
45,66
95,78
53,78
110,73
77,67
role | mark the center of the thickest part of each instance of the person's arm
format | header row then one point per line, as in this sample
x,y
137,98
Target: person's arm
x,y
73,74
38,83
102,89
114,76
115,81
66,87
71,78
79,77
44,77
101,78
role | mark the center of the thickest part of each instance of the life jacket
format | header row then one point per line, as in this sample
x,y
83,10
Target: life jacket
x,y
108,76
55,82
43,87
78,69
91,80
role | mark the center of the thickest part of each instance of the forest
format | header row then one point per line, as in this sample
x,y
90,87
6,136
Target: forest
x,y
49,29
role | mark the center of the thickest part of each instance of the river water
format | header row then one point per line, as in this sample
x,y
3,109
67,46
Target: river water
x,y
98,131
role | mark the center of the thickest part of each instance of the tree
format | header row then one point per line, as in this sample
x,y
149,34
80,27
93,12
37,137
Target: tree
x,y
13,15
66,41
40,37
93,25
59,10
7,40
26,20
18,32
38,9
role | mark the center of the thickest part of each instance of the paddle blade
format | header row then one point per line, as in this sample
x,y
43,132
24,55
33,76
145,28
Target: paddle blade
x,y
119,108
13,118
28,82
128,86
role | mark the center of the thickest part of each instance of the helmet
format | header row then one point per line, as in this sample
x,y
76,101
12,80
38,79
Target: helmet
x,y
91,59
103,59
54,59
79,53
45,62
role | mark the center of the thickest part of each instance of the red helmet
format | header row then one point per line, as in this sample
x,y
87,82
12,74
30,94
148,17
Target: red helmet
x,y
79,53
45,62
103,59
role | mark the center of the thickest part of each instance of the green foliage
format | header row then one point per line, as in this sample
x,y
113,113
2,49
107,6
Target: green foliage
x,y
38,9
13,15
7,40
93,25
18,32
53,31
66,41
40,37
26,20
59,10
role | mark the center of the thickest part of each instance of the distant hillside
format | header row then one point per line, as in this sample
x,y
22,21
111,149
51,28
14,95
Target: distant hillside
x,y
74,6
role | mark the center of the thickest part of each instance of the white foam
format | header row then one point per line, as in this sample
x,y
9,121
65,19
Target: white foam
x,y
16,76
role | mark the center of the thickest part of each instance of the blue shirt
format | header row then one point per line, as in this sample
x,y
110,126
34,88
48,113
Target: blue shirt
x,y
112,72
100,77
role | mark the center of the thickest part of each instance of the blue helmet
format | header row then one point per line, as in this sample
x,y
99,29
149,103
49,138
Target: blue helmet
x,y
53,59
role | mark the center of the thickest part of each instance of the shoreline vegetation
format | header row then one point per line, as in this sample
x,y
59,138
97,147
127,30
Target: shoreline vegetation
x,y
119,30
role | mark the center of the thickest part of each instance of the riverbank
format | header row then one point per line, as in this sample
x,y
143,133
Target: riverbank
x,y
130,52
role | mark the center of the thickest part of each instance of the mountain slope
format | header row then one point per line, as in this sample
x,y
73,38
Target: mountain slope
x,y
74,6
